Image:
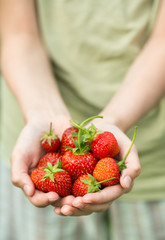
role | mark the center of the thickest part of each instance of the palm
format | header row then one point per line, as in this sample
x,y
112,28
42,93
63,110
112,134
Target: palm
x,y
26,155
100,201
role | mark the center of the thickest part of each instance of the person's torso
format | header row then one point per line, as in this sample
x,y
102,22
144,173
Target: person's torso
x,y
91,45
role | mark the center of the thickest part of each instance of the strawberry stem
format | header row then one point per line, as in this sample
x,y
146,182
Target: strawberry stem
x,y
133,140
76,125
81,149
51,170
106,180
81,127
89,119
50,133
94,185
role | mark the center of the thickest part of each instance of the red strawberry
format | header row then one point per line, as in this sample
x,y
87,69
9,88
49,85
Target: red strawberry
x,y
52,178
78,160
107,168
50,141
37,176
85,184
61,184
68,139
78,164
51,157
105,145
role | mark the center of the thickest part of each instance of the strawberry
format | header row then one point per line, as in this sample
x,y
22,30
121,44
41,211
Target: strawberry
x,y
58,181
68,139
104,145
86,184
78,164
52,178
108,168
51,157
37,176
87,134
78,160
50,141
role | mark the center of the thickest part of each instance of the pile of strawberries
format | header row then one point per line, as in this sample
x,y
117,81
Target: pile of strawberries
x,y
81,162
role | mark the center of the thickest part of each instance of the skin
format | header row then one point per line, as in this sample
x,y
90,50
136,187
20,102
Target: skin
x,y
100,201
20,39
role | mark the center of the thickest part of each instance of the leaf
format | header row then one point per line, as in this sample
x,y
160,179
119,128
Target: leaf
x,y
49,141
122,167
49,166
88,182
58,164
51,176
75,150
75,134
93,179
76,143
94,188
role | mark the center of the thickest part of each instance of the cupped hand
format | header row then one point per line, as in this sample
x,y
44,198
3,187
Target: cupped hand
x,y
101,201
26,155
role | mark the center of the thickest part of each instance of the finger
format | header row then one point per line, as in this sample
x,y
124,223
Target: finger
x,y
92,207
133,169
78,202
64,201
24,157
19,175
71,211
41,199
106,195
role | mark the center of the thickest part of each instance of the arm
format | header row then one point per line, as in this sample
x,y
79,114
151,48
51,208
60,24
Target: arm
x,y
24,62
144,83
26,69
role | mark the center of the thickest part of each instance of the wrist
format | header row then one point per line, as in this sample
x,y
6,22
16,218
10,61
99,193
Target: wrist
x,y
114,120
45,114
42,120
46,108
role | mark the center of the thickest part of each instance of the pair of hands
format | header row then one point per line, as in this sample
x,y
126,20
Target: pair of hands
x,y
28,151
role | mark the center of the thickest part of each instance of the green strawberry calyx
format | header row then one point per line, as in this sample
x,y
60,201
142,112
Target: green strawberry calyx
x,y
49,135
51,170
84,136
94,185
121,164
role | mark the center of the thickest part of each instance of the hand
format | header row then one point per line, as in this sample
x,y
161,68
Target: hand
x,y
26,155
100,201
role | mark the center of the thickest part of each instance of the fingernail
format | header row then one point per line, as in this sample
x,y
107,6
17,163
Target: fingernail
x,y
128,181
57,211
53,198
27,190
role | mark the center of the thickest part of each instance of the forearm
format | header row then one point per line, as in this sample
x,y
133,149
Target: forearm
x,y
142,88
27,71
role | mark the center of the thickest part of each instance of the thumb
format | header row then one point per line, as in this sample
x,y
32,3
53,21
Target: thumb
x,y
20,177
131,171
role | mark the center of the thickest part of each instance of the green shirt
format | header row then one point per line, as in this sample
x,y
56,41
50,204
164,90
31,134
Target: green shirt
x,y
91,44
